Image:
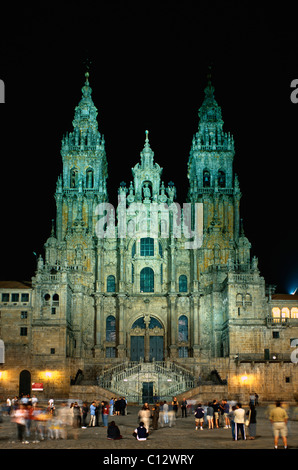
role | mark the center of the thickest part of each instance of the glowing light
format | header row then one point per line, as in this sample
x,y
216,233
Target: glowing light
x,y
243,378
294,292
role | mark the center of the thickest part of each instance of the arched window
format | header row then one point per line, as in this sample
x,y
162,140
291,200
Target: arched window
x,y
239,299
206,179
294,312
56,298
221,179
183,328
111,328
73,178
147,280
111,284
182,283
285,313
147,246
276,314
89,178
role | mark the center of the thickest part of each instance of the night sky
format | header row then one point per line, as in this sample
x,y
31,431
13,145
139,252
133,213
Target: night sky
x,y
148,71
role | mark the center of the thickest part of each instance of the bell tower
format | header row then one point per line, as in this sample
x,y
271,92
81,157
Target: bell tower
x,y
213,183
83,182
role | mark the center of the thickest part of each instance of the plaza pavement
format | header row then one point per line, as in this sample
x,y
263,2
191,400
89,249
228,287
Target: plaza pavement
x,y
180,437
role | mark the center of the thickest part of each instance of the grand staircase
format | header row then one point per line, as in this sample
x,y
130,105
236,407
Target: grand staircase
x,y
147,381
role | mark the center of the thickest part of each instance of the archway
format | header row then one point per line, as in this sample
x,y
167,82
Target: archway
x,y
147,340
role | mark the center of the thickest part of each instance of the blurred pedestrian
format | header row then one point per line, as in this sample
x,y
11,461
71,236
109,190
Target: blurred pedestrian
x,y
19,417
85,411
155,416
144,415
252,421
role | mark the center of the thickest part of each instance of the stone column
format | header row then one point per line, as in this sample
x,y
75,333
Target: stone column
x,y
121,347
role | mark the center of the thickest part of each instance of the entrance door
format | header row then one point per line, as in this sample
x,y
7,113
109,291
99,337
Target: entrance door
x,y
136,348
156,348
147,392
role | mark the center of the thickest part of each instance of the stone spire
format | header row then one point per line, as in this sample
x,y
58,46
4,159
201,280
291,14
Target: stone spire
x,y
85,126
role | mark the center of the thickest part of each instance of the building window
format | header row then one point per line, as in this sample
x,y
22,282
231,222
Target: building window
x,y
183,328
288,380
147,246
56,299
25,297
15,297
111,284
133,250
221,179
73,178
53,310
23,331
147,280
89,178
161,274
275,334
182,283
53,351
111,328
132,273
206,179
239,299
110,352
294,312
5,297
183,351
24,315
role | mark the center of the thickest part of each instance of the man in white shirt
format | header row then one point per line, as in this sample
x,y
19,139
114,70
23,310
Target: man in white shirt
x,y
239,419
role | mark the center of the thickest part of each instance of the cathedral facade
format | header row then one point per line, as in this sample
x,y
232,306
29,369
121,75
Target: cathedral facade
x,y
154,283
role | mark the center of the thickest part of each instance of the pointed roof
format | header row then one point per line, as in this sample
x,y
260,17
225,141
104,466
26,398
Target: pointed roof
x,y
210,111
86,111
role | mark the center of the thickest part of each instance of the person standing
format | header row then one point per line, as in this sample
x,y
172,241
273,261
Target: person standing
x,y
215,406
199,417
239,418
105,414
184,408
279,418
92,414
210,413
111,406
175,405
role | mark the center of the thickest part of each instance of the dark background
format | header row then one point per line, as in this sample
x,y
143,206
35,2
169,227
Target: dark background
x,y
148,71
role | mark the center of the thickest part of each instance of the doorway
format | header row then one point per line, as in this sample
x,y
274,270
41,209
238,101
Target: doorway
x,y
147,392
137,350
25,383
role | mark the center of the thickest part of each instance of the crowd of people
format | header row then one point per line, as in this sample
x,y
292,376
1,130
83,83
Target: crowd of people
x,y
37,422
